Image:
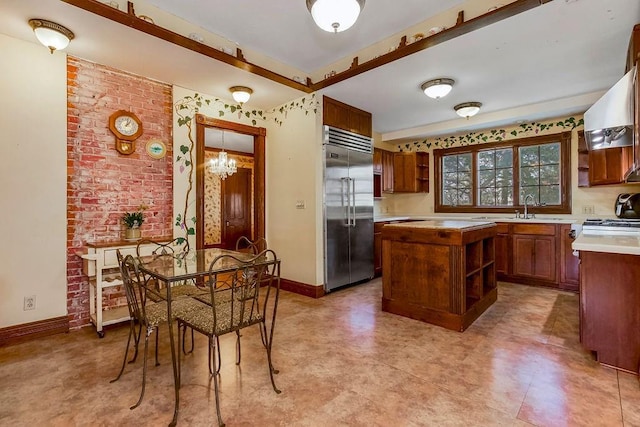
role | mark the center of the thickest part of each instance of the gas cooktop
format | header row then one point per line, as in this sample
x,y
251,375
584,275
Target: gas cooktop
x,y
620,222
619,226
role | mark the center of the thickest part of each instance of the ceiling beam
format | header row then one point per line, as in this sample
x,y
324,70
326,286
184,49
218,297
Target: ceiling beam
x,y
131,20
459,29
462,27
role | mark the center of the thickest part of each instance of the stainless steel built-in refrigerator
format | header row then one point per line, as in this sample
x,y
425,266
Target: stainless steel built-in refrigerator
x,y
348,208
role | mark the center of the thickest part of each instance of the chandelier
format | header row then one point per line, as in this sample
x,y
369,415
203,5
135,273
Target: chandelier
x,y
223,166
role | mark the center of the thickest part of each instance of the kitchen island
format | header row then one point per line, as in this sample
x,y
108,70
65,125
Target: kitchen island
x,y
440,272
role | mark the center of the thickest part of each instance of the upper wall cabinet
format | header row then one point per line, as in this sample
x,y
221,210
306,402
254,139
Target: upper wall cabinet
x,y
346,117
634,48
411,172
602,167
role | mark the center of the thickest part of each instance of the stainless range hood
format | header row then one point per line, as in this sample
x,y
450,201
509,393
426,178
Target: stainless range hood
x,y
609,122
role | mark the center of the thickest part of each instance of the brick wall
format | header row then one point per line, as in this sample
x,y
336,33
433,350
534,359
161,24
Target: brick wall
x,y
102,184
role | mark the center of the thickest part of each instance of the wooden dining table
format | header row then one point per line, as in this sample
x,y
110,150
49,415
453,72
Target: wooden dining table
x,y
176,268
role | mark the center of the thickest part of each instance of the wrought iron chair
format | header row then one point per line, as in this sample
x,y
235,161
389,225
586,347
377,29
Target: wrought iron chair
x,y
168,248
240,293
149,315
244,244
187,288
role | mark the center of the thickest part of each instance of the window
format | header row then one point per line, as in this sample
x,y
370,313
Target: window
x,y
499,177
456,179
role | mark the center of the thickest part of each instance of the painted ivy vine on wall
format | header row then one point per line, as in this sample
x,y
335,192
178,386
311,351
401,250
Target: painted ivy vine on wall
x,y
186,110
493,135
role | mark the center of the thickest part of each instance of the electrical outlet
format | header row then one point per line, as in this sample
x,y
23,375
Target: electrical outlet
x,y
29,303
588,209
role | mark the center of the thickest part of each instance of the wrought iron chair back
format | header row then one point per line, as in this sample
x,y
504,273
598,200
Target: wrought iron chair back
x,y
244,244
148,315
241,291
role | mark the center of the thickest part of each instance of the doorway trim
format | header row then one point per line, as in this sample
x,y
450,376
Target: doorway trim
x,y
259,138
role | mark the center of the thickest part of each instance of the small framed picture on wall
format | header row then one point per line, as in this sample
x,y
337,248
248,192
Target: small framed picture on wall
x,y
156,149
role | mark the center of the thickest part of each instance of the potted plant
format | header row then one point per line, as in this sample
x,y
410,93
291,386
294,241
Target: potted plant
x,y
133,221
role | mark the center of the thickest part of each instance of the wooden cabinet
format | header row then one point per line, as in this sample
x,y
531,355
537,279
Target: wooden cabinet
x,y
346,117
437,272
377,161
534,256
526,253
411,172
569,263
583,161
387,171
608,166
633,53
377,248
503,244
609,301
602,167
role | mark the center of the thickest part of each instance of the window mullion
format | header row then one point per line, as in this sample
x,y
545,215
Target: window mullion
x,y
516,176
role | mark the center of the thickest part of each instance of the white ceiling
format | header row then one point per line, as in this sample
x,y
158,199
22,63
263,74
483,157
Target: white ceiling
x,y
552,60
285,31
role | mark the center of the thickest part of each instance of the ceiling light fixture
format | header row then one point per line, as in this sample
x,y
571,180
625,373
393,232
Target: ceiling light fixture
x,y
335,15
52,35
241,94
467,109
223,166
437,88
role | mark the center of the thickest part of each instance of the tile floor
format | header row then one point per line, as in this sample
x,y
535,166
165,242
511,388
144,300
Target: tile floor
x,y
342,362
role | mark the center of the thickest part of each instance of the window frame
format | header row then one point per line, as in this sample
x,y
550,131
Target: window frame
x,y
565,175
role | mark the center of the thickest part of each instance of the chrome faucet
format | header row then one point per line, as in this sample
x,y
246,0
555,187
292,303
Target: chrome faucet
x,y
526,207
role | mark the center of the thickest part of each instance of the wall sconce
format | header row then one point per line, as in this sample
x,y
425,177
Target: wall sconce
x,y
52,35
335,16
467,109
437,88
241,94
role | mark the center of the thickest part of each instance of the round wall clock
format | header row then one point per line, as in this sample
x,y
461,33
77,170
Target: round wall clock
x,y
156,149
127,127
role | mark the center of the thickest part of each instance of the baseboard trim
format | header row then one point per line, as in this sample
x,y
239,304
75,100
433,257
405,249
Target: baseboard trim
x,y
302,288
29,331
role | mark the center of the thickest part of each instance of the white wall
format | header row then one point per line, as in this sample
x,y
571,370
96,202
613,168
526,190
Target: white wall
x,y
33,167
292,174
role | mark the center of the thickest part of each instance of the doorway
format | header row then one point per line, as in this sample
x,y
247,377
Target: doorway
x,y
241,195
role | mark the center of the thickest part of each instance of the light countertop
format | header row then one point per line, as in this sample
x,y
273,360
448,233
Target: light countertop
x,y
480,218
444,224
629,245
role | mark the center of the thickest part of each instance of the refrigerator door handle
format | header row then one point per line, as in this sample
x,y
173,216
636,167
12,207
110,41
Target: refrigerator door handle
x,y
347,222
353,204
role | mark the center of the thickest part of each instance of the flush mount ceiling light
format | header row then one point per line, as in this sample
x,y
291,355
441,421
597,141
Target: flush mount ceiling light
x,y
467,109
335,15
241,94
437,88
52,35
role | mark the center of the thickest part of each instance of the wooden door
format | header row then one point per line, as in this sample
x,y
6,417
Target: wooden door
x,y
377,161
523,249
236,209
545,258
502,255
535,257
387,172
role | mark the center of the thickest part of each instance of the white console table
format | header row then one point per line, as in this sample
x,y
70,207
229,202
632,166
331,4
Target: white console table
x,y
98,257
